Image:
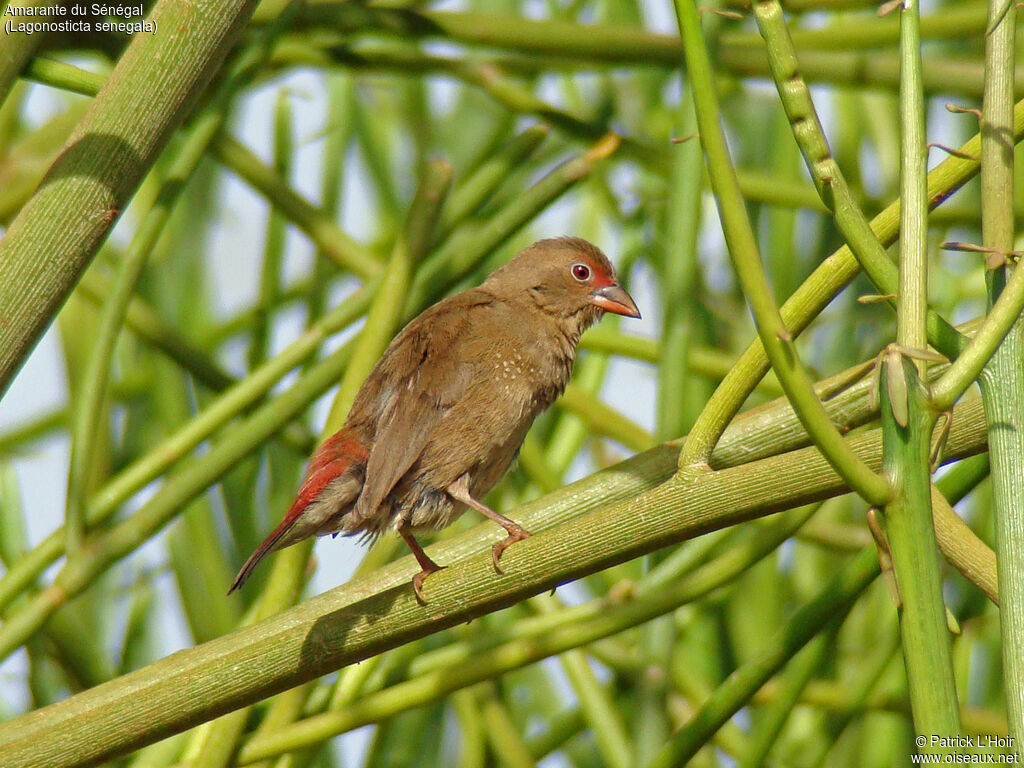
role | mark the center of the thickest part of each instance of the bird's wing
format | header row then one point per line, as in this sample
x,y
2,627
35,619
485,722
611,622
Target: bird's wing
x,y
420,377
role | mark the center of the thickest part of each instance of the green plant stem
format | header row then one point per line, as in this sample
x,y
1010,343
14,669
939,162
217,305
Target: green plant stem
x,y
506,91
370,135
558,730
792,683
60,74
829,179
1002,388
29,156
911,540
907,420
574,533
485,656
837,698
816,292
912,301
146,97
686,584
596,705
333,164
214,744
865,32
192,479
695,686
81,663
90,406
602,419
1008,303
385,313
651,721
969,365
506,743
680,282
606,43
80,571
959,544
19,46
40,427
962,547
329,239
860,688
513,96
274,239
149,326
467,199
472,748
943,74
119,300
710,363
830,605
595,42
172,449
778,343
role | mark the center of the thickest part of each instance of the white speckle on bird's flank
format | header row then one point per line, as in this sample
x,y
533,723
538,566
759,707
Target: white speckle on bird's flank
x,y
511,367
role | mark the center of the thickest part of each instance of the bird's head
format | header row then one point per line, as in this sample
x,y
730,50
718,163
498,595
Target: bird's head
x,y
567,277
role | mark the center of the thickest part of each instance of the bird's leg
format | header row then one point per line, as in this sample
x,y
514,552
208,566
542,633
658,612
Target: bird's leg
x,y
459,490
427,565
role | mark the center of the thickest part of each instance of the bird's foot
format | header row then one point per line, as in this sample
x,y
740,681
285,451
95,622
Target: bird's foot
x,y
417,580
515,533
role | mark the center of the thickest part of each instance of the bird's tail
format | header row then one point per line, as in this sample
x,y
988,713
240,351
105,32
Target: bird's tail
x,y
342,458
269,545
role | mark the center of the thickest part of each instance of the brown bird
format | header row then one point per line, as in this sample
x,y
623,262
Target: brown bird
x,y
441,416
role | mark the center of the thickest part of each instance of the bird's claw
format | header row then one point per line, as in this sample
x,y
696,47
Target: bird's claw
x,y
514,534
417,581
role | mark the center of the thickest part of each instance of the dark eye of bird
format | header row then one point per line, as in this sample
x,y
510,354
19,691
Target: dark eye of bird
x,y
581,272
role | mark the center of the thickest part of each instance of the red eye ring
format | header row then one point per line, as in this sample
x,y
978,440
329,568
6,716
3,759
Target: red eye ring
x,y
580,271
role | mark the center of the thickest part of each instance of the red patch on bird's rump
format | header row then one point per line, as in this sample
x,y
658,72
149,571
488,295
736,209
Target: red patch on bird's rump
x,y
336,456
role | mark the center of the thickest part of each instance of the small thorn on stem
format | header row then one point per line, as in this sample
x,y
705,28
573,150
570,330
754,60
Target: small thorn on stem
x,y
884,556
953,151
888,7
956,109
723,13
876,298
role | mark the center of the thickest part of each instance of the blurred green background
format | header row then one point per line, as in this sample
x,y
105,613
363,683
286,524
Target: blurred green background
x,y
355,158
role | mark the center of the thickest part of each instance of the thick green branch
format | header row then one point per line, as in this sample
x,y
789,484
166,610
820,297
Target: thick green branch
x,y
908,419
825,171
145,98
576,532
19,46
1002,383
818,290
778,343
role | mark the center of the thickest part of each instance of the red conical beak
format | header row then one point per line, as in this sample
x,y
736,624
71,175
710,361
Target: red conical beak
x,y
612,298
